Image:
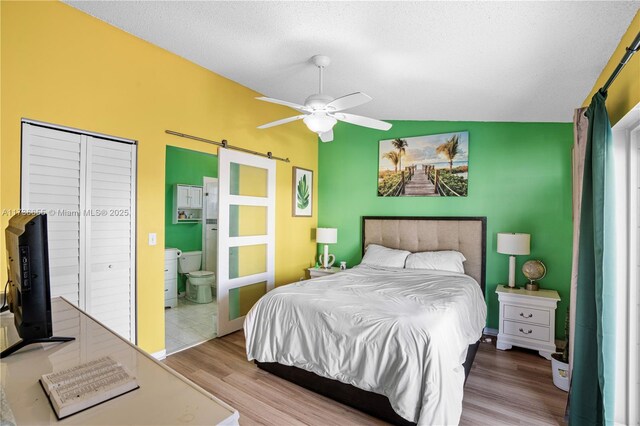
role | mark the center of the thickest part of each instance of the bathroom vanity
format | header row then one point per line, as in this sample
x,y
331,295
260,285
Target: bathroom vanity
x,y
171,277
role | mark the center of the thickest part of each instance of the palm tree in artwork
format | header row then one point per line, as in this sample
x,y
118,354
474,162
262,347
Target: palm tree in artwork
x,y
449,149
394,158
400,145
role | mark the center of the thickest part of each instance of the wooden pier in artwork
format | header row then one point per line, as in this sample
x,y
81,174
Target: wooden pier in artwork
x,y
421,185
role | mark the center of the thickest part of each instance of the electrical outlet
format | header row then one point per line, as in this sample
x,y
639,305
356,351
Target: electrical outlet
x,y
152,239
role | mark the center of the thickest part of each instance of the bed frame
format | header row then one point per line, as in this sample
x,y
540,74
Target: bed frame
x,y
467,235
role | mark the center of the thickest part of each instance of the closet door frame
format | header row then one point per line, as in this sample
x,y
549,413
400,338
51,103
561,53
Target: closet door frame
x,y
83,167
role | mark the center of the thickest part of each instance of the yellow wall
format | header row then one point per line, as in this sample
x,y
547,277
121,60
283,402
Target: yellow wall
x,y
62,66
624,93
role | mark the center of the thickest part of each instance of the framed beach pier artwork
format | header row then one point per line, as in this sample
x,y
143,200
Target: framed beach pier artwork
x,y
424,166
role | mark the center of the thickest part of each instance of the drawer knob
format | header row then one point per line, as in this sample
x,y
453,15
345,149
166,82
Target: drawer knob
x,y
525,316
526,332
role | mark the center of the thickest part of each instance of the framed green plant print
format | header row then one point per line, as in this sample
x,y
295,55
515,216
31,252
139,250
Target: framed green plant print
x,y
302,192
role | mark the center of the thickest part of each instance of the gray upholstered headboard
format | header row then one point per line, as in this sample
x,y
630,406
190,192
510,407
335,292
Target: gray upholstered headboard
x,y
467,235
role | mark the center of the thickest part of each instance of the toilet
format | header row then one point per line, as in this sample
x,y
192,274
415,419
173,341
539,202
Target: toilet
x,y
201,285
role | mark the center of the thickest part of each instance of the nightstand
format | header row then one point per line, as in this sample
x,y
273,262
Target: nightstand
x,y
527,319
321,272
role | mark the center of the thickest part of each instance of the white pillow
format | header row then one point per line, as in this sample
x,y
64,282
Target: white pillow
x,y
446,260
376,255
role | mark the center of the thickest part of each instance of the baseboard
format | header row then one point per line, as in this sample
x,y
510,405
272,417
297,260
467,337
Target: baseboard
x,y
494,332
160,355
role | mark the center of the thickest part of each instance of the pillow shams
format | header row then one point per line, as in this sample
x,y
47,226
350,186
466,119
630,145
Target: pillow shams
x,y
446,260
376,255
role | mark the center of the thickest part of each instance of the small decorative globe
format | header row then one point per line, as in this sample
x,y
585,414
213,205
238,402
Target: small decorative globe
x,y
534,270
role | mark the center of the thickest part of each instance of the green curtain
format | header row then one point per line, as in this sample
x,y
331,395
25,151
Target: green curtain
x,y
592,387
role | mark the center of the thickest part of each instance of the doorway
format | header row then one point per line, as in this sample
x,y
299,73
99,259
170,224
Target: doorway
x,y
219,242
626,143
191,214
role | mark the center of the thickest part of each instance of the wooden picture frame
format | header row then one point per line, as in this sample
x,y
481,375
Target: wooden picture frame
x,y
302,192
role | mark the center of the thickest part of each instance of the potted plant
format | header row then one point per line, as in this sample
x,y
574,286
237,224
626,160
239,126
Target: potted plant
x,y
560,361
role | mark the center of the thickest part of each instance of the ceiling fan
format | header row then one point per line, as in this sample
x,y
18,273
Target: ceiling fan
x,y
322,112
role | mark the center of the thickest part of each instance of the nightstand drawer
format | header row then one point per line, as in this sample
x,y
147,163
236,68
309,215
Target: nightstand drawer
x,y
520,313
526,331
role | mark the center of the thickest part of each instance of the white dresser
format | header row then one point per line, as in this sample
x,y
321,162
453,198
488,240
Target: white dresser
x,y
171,277
527,319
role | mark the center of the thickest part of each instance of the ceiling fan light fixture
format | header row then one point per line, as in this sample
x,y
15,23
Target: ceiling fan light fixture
x,y
321,112
319,122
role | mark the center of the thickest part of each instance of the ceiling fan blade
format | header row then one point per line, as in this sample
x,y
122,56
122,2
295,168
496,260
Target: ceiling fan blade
x,y
285,103
348,101
359,120
327,136
283,121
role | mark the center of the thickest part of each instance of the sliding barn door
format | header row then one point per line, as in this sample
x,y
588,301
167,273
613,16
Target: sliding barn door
x,y
86,185
246,234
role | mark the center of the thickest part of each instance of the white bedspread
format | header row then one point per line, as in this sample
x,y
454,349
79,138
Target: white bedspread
x,y
398,332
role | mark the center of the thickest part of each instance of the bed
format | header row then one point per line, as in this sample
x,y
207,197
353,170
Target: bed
x,y
360,336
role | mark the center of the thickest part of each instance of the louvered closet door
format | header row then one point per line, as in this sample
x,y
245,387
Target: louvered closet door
x,y
87,187
52,166
110,295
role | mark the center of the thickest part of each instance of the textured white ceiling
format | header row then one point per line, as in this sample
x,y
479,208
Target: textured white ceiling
x,y
481,61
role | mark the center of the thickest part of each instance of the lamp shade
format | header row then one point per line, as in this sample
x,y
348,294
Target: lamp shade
x,y
327,235
514,243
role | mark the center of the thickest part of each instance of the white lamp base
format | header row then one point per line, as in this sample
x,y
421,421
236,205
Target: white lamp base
x,y
512,272
326,259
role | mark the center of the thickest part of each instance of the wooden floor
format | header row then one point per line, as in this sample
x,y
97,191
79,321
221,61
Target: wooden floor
x,y
504,388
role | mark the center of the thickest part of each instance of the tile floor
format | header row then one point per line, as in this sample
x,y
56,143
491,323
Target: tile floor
x,y
189,324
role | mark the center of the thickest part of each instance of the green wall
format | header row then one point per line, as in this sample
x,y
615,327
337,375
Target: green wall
x,y
187,167
519,178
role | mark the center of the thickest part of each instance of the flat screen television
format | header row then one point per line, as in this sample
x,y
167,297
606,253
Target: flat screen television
x,y
29,296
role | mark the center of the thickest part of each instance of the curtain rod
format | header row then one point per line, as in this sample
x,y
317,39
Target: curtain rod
x,y
633,48
225,144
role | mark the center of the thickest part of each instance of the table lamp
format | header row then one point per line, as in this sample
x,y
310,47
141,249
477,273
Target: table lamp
x,y
513,244
326,236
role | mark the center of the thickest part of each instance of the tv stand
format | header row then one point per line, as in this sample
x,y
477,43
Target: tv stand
x,y
22,343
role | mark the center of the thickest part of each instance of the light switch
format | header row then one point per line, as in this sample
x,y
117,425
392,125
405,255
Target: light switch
x,y
152,239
